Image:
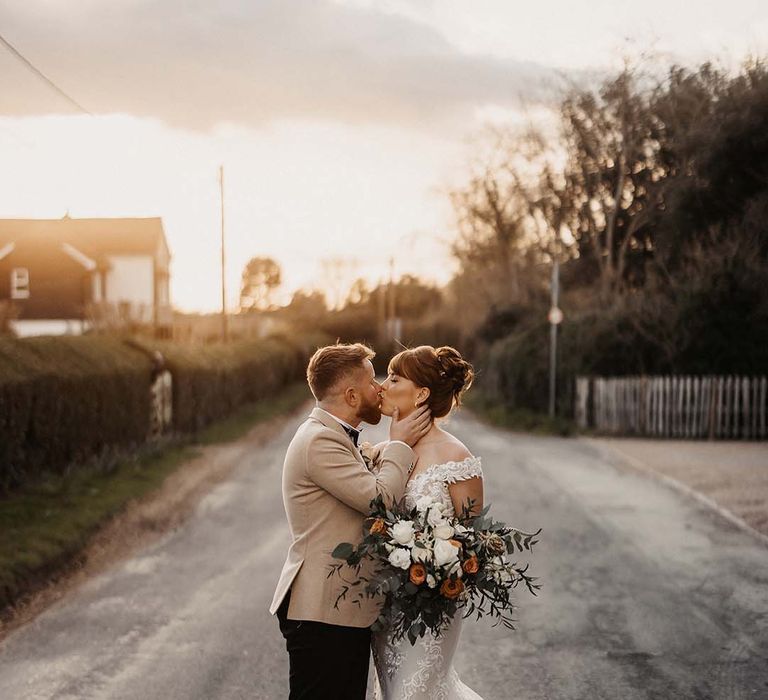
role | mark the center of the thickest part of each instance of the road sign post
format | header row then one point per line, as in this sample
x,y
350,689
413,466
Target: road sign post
x,y
555,317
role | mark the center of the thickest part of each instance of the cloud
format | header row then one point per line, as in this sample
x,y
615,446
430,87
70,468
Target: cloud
x,y
195,64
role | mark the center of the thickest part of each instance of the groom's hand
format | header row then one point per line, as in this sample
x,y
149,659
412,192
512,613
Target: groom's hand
x,y
412,428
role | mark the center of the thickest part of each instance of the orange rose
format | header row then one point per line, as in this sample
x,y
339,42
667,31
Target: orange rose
x,y
455,543
452,588
471,565
379,527
418,574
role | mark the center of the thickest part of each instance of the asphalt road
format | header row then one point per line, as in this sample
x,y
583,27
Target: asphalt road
x,y
647,594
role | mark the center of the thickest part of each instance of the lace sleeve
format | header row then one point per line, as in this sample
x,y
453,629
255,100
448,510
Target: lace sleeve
x,y
468,468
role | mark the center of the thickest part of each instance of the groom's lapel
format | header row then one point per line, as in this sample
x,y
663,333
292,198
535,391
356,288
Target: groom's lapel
x,y
330,422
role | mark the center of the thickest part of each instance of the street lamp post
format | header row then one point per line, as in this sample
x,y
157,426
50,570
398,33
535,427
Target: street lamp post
x,y
555,317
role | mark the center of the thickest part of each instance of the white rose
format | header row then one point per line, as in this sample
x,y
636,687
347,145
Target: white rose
x,y
422,554
435,515
431,582
445,553
402,532
423,503
400,558
443,531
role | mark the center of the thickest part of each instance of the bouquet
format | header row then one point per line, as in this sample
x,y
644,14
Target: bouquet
x,y
428,566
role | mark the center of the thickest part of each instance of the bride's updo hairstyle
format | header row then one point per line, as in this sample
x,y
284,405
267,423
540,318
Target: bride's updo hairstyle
x,y
443,371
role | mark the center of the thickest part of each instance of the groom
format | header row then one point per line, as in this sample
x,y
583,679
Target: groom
x,y
327,489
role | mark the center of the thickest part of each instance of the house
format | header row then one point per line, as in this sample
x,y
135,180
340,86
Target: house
x,y
67,275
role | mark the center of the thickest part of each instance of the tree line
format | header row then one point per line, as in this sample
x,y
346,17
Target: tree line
x,y
651,191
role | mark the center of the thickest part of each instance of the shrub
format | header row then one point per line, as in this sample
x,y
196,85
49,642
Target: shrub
x,y
210,381
65,400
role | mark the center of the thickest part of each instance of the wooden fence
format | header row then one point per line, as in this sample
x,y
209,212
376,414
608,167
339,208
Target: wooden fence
x,y
674,406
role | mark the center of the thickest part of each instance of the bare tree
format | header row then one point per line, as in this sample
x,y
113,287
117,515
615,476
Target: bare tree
x,y
359,293
261,277
510,220
337,277
611,174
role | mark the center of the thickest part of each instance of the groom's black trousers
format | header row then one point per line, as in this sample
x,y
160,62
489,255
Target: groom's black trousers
x,y
326,661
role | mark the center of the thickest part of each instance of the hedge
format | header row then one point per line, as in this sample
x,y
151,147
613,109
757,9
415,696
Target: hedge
x,y
66,400
209,382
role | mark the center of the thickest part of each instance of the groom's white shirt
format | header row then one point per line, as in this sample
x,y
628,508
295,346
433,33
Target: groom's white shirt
x,y
336,418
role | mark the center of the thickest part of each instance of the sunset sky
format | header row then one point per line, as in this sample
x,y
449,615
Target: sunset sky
x,y
340,124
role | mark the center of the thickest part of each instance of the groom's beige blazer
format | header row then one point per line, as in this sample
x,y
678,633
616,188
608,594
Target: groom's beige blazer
x,y
327,490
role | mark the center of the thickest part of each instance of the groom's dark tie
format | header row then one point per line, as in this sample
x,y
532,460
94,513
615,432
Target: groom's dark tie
x,y
353,434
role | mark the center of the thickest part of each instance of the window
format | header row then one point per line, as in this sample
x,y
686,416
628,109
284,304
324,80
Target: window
x,y
20,283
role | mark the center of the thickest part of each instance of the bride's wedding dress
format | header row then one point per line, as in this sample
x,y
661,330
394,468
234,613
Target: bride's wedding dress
x,y
425,671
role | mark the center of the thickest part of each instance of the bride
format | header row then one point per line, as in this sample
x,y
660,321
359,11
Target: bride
x,y
445,470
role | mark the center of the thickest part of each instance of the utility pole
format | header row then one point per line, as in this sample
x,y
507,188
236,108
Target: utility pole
x,y
224,333
394,325
381,326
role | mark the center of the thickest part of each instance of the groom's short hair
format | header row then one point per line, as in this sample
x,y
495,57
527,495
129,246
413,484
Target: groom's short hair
x,y
329,365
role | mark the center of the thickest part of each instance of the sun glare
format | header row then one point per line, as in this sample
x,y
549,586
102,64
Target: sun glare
x,y
301,192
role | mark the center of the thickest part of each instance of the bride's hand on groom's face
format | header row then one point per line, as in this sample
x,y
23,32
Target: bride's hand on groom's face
x,y
411,428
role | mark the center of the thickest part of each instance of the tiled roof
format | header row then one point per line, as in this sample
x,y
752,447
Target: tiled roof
x,y
93,237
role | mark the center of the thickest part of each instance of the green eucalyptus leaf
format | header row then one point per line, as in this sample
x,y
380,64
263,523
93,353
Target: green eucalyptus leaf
x,y
343,551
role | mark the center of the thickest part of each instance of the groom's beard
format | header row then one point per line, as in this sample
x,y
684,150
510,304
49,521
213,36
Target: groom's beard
x,y
370,413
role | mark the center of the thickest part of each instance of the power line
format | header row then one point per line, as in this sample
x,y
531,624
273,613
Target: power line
x,y
42,76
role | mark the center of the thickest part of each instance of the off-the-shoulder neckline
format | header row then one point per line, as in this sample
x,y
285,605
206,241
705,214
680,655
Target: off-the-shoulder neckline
x,y
451,463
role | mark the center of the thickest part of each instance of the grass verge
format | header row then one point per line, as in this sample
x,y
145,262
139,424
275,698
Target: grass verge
x,y
45,525
519,419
